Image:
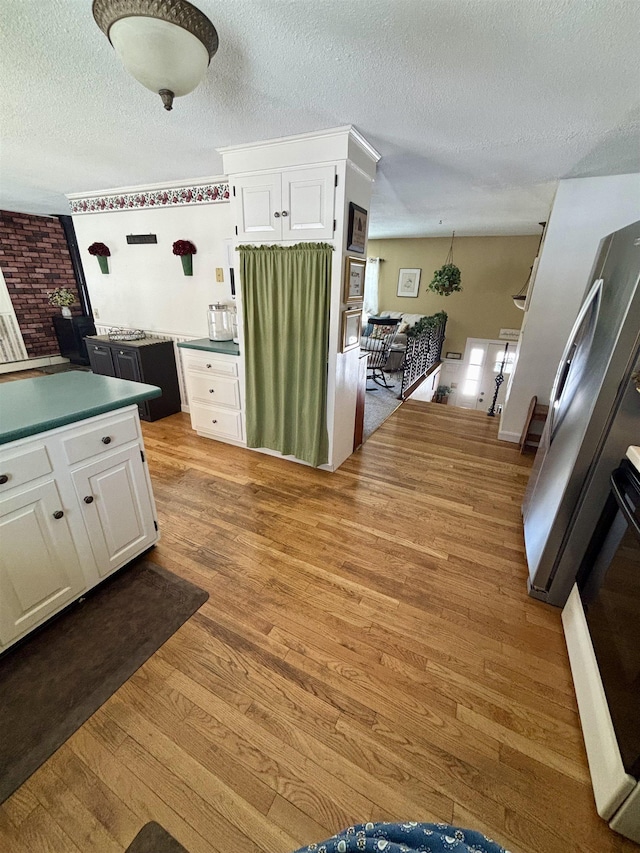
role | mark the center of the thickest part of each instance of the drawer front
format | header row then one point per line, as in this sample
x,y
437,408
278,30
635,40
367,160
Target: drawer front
x,y
217,390
204,362
216,421
91,440
22,466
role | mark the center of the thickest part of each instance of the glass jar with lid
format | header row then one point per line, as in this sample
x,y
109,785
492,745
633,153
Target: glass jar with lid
x,y
220,321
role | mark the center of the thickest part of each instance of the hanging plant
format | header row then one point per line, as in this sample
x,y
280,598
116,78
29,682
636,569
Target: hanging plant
x,y
447,279
185,250
102,252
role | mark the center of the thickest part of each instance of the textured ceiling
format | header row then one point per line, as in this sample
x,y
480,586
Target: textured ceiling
x,y
477,106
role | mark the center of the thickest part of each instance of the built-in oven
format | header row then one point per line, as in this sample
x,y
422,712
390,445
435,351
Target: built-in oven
x,y
602,628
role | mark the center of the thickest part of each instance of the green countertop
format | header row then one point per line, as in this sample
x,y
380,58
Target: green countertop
x,y
31,406
227,347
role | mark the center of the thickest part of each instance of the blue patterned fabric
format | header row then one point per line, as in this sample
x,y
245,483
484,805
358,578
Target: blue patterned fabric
x,y
406,838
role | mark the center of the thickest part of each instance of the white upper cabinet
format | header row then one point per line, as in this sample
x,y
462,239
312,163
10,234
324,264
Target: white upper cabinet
x,y
259,207
296,204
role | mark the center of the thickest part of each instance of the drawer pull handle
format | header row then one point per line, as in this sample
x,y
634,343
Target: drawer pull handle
x,y
58,514
88,499
106,439
4,478
214,421
208,365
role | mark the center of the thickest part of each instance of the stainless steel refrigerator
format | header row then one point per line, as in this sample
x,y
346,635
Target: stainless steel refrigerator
x,y
594,415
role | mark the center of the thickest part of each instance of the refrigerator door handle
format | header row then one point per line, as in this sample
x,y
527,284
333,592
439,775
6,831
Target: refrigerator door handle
x,y
564,367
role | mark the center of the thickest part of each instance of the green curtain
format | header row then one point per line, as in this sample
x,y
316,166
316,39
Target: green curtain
x,y
285,292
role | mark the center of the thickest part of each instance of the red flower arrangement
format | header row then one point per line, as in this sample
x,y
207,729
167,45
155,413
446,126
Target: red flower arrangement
x,y
99,249
184,247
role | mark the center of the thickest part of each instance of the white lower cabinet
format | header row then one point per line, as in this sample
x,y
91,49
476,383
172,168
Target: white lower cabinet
x,y
116,507
72,510
39,567
214,393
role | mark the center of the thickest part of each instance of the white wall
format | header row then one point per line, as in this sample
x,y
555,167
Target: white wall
x,y
146,287
584,211
358,188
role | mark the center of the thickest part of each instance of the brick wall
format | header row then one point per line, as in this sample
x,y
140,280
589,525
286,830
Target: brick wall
x,y
34,258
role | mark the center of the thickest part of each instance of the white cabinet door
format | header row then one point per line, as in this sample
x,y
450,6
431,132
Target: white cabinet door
x,y
39,567
116,507
308,202
259,206
293,205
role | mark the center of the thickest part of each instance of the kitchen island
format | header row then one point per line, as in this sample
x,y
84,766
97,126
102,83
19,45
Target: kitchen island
x,y
76,502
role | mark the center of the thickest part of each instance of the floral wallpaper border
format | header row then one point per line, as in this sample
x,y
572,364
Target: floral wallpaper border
x,y
205,194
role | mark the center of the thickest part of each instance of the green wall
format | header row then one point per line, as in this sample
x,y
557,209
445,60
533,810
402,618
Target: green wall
x,y
493,269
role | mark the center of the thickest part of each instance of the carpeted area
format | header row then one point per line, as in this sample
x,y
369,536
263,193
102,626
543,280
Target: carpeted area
x,y
380,404
59,676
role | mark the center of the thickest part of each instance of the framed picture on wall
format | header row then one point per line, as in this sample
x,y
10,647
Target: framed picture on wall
x,y
357,229
354,271
408,282
351,327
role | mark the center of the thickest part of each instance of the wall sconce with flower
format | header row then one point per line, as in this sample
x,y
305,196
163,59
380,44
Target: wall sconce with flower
x,y
185,250
102,252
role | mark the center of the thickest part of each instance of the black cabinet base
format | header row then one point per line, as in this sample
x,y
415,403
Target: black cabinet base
x,y
147,361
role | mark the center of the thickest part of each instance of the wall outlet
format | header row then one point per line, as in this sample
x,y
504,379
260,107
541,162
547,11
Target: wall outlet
x,y
219,274
96,313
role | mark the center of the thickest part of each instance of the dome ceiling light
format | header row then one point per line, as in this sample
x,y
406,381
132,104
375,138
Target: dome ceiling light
x,y
165,44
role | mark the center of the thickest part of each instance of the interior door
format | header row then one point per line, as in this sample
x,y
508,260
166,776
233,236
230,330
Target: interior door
x,y
37,582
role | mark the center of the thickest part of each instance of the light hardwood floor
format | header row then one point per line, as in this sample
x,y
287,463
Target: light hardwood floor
x,y
368,652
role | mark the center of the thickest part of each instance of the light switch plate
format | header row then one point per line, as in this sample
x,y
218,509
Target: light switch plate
x,y
219,274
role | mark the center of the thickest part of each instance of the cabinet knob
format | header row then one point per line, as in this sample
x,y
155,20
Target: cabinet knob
x,y
211,390
88,499
208,365
214,421
121,352
276,215
285,212
106,439
4,478
58,514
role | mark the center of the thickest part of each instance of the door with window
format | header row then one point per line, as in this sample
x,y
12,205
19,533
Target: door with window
x,y
484,361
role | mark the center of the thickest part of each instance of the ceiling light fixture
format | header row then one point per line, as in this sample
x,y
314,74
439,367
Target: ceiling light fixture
x,y
520,298
165,44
